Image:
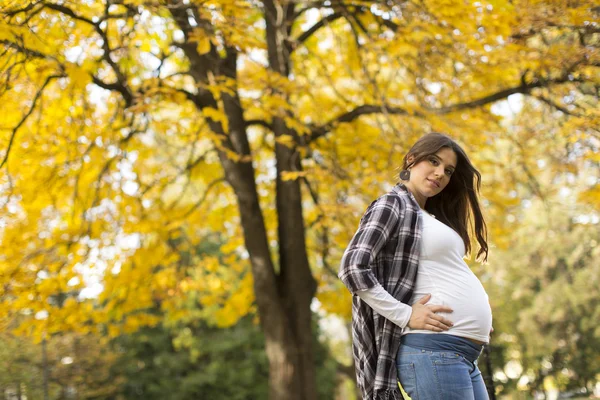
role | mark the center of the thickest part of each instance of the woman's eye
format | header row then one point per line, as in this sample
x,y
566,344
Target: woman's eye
x,y
435,162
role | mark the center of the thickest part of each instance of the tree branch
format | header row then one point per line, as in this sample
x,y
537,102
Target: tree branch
x,y
525,34
12,13
115,86
553,104
34,103
308,33
523,88
67,11
121,85
26,51
259,122
204,197
308,6
354,114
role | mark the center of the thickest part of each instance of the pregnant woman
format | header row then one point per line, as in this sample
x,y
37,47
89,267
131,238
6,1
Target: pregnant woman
x,y
419,315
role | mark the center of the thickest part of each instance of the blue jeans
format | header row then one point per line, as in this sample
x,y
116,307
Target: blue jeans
x,y
434,370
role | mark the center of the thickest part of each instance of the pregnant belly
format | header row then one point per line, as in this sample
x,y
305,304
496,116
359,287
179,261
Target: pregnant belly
x,y
472,315
472,318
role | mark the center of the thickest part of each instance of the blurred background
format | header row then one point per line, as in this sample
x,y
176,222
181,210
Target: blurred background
x,y
179,180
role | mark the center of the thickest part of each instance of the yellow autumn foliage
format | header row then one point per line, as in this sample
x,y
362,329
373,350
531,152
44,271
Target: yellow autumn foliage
x,y
112,177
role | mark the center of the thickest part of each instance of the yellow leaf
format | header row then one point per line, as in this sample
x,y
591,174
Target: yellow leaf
x,y
203,46
292,175
78,75
286,140
146,46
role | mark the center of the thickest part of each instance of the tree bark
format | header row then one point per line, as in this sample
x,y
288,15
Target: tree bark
x,y
297,286
283,300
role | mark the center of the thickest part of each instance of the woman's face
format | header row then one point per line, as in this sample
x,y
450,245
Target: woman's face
x,y
431,175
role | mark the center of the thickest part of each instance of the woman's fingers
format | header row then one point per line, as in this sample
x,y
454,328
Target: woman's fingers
x,y
436,308
442,323
442,320
433,328
425,317
424,299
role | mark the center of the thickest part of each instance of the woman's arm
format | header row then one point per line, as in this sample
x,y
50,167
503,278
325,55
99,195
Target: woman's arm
x,y
375,228
386,305
419,316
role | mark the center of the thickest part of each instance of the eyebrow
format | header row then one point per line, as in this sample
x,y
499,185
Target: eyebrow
x,y
436,156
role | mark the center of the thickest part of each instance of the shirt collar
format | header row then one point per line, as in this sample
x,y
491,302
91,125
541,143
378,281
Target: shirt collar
x,y
401,189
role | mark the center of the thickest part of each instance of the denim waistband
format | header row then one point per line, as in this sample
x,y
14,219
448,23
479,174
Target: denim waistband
x,y
443,342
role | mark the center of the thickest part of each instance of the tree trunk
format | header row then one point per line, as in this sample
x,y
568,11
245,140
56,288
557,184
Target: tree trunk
x,y
297,286
280,312
283,300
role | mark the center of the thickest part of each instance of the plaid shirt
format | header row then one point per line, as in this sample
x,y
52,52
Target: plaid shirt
x,y
385,250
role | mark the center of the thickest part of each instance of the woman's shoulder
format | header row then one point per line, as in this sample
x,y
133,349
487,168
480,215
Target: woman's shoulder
x,y
404,197
398,202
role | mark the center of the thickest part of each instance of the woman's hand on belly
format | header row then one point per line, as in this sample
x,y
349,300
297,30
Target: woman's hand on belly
x,y
424,316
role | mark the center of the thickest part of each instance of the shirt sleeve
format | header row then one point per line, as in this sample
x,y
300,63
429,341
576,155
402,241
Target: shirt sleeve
x,y
386,305
376,226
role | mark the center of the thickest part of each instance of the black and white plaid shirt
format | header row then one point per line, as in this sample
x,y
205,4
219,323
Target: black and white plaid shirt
x,y
385,250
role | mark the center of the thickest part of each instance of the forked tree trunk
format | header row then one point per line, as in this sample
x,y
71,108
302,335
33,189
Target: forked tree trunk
x,y
283,298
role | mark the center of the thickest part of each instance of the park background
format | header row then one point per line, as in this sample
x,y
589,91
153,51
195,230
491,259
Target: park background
x,y
179,180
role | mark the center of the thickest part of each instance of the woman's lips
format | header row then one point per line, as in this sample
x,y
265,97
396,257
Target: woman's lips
x,y
434,183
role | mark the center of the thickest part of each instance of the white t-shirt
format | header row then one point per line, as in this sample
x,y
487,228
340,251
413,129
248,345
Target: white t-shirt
x,y
443,273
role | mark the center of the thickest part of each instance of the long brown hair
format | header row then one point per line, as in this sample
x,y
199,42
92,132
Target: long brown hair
x,y
457,205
